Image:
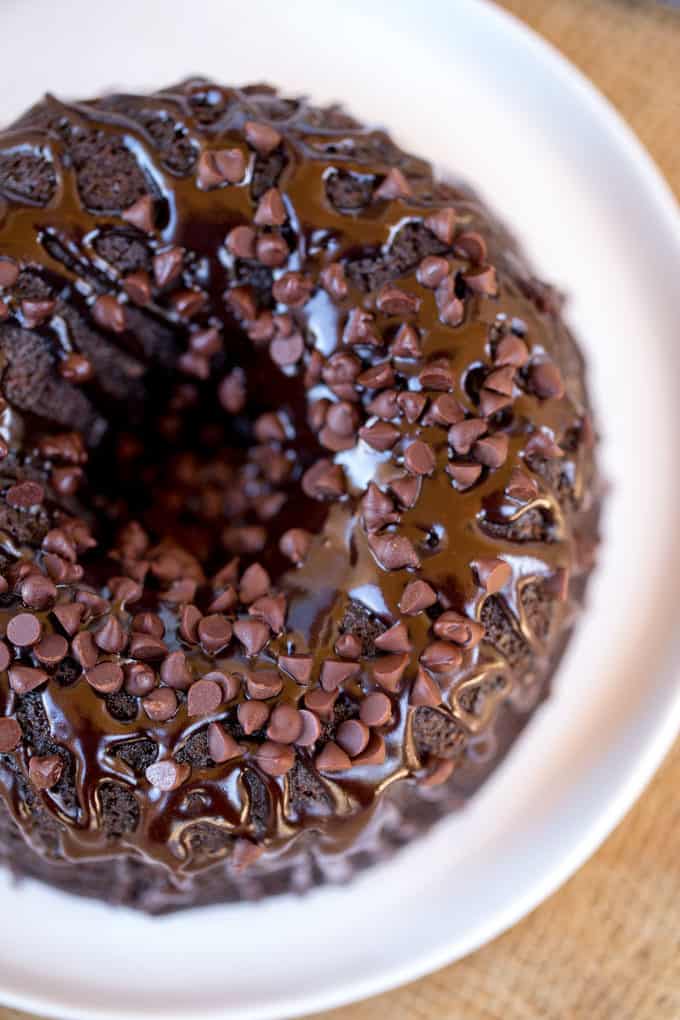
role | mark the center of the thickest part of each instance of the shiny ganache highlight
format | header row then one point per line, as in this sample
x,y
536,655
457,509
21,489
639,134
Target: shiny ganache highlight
x,y
297,494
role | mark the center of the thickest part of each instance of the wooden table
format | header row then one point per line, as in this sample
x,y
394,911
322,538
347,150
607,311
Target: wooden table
x,y
607,945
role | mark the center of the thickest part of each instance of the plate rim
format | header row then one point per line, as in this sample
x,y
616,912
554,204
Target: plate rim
x,y
647,761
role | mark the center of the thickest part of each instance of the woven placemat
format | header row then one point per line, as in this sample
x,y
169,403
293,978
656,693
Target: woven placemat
x,y
607,945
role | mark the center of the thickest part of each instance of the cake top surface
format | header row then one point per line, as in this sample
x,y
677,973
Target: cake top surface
x,y
295,448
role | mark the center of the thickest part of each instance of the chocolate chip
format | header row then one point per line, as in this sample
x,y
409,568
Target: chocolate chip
x,y
471,246
10,734
375,709
108,314
23,679
419,458
148,623
139,678
253,635
295,544
464,434
444,410
261,137
270,212
542,444
271,609
25,495
111,637
380,436
464,474
545,380
451,308
287,350
44,771
310,730
332,759
393,552
377,509
492,574
412,404
146,646
442,224
188,303
51,650
441,657
394,185
137,286
167,266
106,678
206,342
69,616
272,250
168,775
431,271
377,377
24,630
491,403
160,704
360,329
84,649
275,759
416,597
492,451
252,715
263,684
334,281
175,671
394,639
374,754
220,166
348,646
204,698
437,376
406,343
324,480
221,745
392,300
141,214
501,380
321,702
9,272
425,691
298,666
407,489
214,632
452,626
5,656
334,673
285,724
384,405
389,670
343,418
511,351
482,280
232,391
292,289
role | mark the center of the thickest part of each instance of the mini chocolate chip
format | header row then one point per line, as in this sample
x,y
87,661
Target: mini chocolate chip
x,y
189,619
482,280
252,715
392,300
511,351
377,509
501,380
384,405
298,666
221,745
175,671
334,673
254,583
389,670
108,313
148,623
321,702
442,224
271,609
348,646
492,451
220,166
84,649
204,698
141,214
491,402
332,759
464,474
24,630
253,635
23,679
406,343
375,709
106,678
431,271
139,678
69,615
437,376
416,597
146,646
521,487
360,329
374,754
285,724
425,691
407,490
51,650
394,639
452,626
275,759
263,684
545,380
394,185
295,544
492,574
412,404
310,730
419,458
441,657
377,377
464,434
44,771
160,704
111,637
10,734
167,775
214,632
261,137
270,212
393,552
167,266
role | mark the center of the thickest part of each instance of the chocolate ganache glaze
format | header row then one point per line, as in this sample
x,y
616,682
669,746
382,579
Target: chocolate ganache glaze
x,y
297,494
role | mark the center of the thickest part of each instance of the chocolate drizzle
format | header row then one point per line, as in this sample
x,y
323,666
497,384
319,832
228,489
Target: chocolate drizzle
x,y
274,403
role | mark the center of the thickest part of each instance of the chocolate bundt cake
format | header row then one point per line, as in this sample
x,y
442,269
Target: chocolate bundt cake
x,y
297,494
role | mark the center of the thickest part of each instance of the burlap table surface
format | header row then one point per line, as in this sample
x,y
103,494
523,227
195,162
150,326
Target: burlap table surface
x,y
607,945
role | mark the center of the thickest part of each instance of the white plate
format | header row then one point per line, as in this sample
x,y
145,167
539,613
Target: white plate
x,y
469,86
